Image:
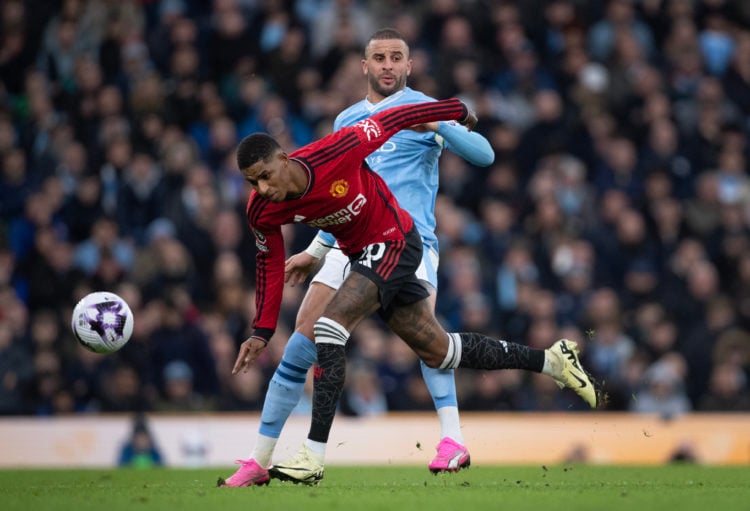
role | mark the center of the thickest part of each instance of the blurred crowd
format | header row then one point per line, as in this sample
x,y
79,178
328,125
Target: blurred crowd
x,y
616,213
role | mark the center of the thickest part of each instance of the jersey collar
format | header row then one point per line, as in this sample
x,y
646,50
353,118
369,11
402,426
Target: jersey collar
x,y
310,175
371,107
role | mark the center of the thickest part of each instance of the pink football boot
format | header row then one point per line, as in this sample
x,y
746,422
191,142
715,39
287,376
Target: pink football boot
x,y
451,457
249,473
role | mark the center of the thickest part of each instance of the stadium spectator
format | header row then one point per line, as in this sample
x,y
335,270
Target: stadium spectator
x,y
363,396
727,391
121,390
16,373
140,449
620,19
663,390
179,394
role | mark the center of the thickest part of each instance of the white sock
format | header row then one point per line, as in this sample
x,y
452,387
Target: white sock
x,y
450,426
547,367
318,448
263,450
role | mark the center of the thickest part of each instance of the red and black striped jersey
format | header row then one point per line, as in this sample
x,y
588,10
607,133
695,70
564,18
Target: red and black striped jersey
x,y
343,197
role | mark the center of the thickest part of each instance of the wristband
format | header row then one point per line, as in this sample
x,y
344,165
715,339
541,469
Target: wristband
x,y
262,334
317,248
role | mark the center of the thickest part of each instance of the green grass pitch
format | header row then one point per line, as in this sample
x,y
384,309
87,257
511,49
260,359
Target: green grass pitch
x,y
517,488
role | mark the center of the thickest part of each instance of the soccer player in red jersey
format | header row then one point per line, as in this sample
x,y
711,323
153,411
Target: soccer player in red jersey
x,y
327,185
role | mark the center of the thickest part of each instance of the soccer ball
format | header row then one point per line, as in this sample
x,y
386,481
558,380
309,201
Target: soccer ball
x,y
102,322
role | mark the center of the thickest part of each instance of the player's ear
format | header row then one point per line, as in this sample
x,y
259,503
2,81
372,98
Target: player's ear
x,y
364,67
408,67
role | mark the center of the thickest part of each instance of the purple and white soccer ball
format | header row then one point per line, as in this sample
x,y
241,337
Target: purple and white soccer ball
x,y
102,322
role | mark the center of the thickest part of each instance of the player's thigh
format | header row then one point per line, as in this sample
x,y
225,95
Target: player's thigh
x,y
355,299
324,284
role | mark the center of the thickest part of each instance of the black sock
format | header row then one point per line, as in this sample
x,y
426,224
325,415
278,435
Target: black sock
x,y
328,385
481,352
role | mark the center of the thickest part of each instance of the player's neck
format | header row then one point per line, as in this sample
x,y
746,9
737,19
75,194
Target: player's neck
x,y
300,180
375,97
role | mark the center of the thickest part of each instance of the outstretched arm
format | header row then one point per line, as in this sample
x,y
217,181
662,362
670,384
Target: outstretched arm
x,y
469,145
374,131
269,287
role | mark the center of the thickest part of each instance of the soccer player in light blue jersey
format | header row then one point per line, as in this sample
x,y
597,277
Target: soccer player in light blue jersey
x,y
408,163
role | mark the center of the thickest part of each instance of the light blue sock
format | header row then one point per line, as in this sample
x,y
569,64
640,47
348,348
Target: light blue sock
x,y
442,386
287,384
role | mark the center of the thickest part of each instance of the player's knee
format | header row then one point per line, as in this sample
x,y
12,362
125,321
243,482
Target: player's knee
x,y
304,325
431,360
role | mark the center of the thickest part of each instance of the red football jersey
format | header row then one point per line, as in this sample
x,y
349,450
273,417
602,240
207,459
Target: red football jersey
x,y
343,197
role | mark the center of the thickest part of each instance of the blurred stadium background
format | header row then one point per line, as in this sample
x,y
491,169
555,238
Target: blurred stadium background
x,y
617,211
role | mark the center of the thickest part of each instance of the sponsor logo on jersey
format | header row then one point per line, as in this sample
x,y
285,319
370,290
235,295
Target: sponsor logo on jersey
x,y
339,188
341,216
370,128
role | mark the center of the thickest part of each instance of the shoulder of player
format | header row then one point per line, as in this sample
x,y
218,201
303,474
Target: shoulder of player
x,y
414,96
351,115
364,108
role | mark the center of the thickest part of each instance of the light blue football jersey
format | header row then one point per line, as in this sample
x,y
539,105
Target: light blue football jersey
x,y
408,162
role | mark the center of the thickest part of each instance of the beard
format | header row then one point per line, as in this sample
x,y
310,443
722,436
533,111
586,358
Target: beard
x,y
398,84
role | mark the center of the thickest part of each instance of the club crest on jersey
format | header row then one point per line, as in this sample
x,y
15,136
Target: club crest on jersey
x,y
339,188
371,129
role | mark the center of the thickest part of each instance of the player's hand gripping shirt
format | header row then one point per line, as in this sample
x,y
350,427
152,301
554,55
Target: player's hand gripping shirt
x,y
344,197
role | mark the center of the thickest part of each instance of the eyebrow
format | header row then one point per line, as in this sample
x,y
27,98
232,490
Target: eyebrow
x,y
254,179
383,53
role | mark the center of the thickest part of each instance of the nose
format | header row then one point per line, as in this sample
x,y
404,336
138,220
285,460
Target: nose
x,y
262,188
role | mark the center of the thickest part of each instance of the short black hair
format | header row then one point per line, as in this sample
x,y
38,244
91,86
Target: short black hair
x,y
386,33
256,147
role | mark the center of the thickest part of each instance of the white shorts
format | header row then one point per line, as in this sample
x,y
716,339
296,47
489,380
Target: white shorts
x,y
336,267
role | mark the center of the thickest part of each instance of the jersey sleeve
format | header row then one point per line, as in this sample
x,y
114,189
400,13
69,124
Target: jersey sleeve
x,y
374,131
469,145
269,280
